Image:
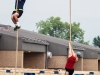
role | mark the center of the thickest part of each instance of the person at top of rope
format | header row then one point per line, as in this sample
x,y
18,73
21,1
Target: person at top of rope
x,y
17,13
72,59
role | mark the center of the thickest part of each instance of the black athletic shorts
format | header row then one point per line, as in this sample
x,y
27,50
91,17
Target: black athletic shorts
x,y
70,71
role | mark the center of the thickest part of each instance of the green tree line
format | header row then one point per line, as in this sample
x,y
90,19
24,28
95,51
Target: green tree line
x,y
53,26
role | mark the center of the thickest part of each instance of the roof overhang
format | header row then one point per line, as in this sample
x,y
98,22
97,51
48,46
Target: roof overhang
x,y
35,40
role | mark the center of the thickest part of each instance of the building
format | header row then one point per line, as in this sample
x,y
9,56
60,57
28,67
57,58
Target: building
x,y
33,48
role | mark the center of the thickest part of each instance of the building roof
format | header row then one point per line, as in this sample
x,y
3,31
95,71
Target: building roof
x,y
30,35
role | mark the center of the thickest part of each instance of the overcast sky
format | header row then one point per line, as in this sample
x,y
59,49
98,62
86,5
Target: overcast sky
x,y
86,12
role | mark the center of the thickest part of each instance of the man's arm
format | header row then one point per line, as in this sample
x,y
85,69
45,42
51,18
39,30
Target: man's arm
x,y
71,51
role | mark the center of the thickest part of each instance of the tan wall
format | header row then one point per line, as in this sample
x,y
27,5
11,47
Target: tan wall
x,y
79,65
98,65
57,62
7,59
90,64
34,60
60,61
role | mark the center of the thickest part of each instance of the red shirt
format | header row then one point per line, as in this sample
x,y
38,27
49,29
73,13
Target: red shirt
x,y
70,62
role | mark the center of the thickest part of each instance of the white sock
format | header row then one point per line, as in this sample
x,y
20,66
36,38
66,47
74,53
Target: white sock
x,y
17,24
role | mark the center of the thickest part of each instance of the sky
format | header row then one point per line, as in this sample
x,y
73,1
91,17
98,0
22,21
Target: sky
x,y
85,12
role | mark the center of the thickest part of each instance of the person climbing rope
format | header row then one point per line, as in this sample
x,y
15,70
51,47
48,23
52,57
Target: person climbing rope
x,y
17,13
72,59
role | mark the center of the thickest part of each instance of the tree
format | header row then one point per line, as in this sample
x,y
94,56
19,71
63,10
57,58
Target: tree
x,y
56,28
96,41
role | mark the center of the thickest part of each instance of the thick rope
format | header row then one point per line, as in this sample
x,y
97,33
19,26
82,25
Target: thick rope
x,y
16,42
16,50
70,20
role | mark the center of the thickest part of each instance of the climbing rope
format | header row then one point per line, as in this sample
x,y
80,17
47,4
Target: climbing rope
x,y
16,51
17,33
16,42
70,19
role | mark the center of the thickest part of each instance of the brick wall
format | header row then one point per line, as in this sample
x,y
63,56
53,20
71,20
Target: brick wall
x,y
57,62
7,59
37,60
34,60
90,64
98,65
78,65
60,61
